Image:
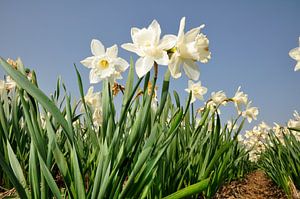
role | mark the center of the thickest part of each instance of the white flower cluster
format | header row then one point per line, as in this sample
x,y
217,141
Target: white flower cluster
x,y
240,100
183,50
7,84
255,140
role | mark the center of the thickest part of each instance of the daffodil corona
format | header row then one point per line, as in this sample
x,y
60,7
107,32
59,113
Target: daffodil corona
x,y
104,64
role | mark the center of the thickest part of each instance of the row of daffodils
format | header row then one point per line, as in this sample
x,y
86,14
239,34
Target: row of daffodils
x,y
150,148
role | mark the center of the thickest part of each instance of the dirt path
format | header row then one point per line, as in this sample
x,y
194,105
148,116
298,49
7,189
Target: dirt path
x,y
255,185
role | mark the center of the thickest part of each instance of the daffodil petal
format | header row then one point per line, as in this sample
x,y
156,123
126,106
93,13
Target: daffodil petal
x,y
168,42
181,30
191,34
164,60
133,48
155,27
94,77
112,51
121,64
88,62
143,65
133,31
174,66
97,47
191,69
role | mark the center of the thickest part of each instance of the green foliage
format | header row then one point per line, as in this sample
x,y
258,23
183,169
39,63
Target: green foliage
x,y
51,148
281,160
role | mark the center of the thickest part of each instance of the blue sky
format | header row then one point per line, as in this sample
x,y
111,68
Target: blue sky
x,y
249,41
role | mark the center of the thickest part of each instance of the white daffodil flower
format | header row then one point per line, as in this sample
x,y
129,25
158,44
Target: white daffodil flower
x,y
93,99
197,90
147,45
294,123
2,86
217,98
190,47
295,54
239,99
250,113
9,83
104,64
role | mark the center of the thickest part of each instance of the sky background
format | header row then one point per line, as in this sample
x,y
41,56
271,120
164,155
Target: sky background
x,y
249,41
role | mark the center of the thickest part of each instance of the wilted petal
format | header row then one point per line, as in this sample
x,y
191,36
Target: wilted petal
x,y
88,62
191,69
112,51
97,47
143,65
168,42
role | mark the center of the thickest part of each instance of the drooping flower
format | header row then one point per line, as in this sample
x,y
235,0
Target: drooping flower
x,y
250,113
295,54
147,45
190,47
217,98
197,90
104,64
240,99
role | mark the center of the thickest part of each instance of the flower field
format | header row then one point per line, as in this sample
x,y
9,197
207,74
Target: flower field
x,y
155,146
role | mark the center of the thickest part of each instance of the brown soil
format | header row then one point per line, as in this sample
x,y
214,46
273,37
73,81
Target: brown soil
x,y
255,185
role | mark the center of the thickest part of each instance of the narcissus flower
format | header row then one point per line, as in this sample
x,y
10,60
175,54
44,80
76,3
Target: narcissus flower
x,y
190,47
147,45
250,113
197,90
2,86
10,84
104,64
217,98
240,99
94,101
295,54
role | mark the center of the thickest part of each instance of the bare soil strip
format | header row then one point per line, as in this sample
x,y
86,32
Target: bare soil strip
x,y
256,185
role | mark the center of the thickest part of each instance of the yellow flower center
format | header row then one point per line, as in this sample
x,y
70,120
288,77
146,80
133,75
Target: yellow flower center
x,y
103,64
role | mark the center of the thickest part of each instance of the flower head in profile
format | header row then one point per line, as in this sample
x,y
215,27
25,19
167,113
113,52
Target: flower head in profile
x,y
250,113
295,54
217,98
148,45
104,64
190,47
294,123
197,90
240,99
94,101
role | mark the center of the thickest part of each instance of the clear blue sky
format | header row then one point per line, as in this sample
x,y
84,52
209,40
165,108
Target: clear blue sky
x,y
249,40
